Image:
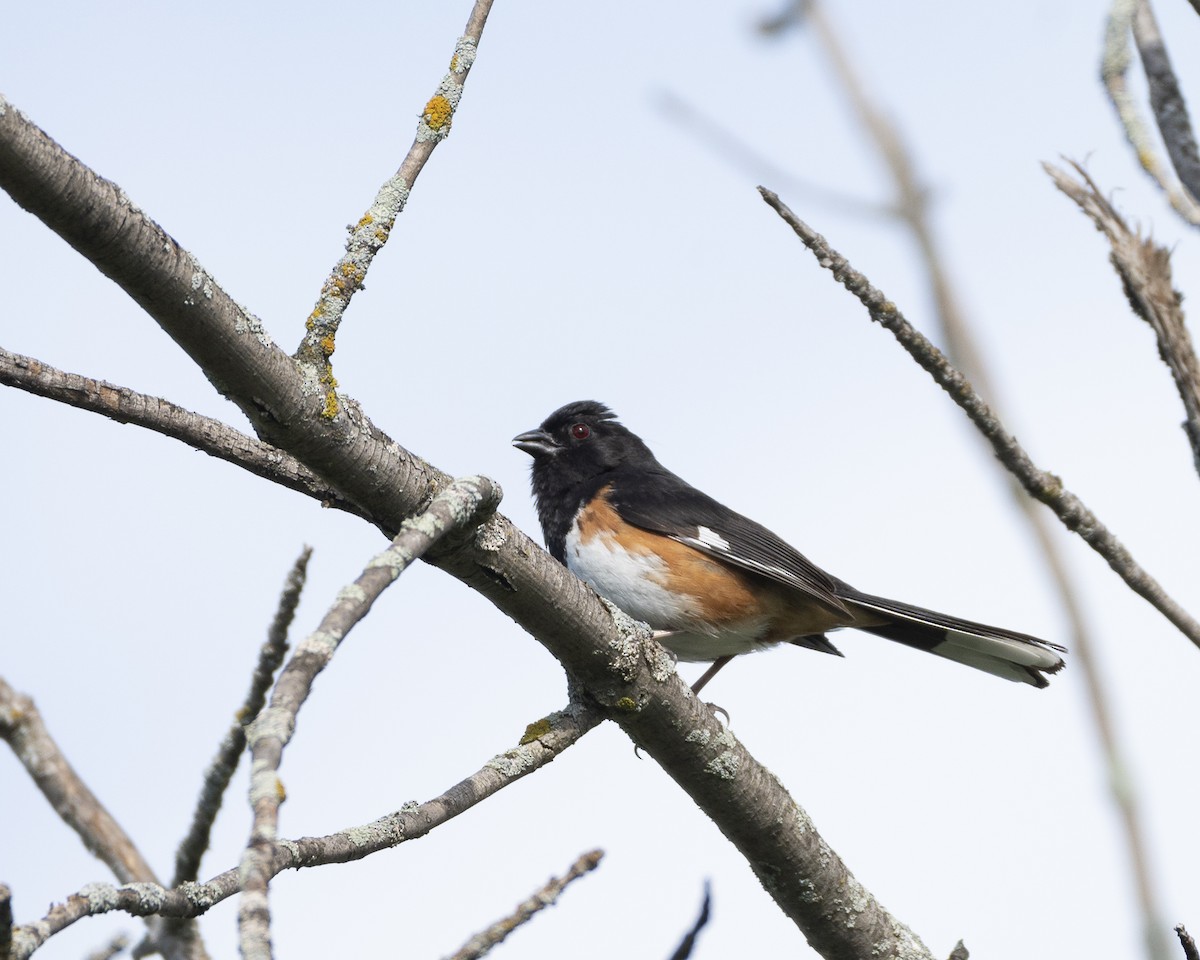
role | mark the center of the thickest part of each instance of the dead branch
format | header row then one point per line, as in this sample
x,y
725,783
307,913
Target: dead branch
x,y
1145,272
1043,486
543,742
546,896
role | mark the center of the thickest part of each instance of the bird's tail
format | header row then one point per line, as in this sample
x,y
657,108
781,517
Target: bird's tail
x,y
1003,653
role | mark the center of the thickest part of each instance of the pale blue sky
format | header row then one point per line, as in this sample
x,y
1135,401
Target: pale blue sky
x,y
571,240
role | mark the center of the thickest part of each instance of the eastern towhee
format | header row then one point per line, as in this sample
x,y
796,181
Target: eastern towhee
x,y
712,583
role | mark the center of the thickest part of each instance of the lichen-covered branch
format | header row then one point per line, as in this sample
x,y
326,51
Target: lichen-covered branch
x,y
1166,99
21,726
1145,272
1044,486
224,764
1114,65
911,207
205,434
463,502
374,227
543,742
546,896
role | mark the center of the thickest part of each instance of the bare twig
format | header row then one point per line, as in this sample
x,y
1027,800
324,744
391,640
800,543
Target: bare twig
x,y
1042,485
547,896
1189,945
221,770
912,207
1113,66
203,433
1170,109
959,952
688,943
22,727
371,232
1145,272
110,949
464,502
543,742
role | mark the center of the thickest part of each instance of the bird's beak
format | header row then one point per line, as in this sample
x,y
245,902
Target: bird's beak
x,y
535,442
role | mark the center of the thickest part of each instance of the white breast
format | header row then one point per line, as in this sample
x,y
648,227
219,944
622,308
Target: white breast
x,y
636,583
633,581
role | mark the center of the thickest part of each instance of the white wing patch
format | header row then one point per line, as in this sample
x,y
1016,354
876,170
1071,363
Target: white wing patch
x,y
710,538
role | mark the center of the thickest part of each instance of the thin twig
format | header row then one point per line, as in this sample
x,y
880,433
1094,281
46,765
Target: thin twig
x,y
1113,67
547,896
913,209
110,949
464,502
1166,99
371,232
688,943
21,725
1044,486
543,742
205,434
1145,272
224,764
1189,945
959,952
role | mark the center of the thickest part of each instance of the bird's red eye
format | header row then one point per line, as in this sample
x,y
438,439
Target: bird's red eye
x,y
581,431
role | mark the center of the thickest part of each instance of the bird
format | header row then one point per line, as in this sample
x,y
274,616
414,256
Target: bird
x,y
711,583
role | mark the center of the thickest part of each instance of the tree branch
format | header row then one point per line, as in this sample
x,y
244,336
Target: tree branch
x,y
1145,272
161,416
912,208
1189,945
1042,485
1113,66
224,764
21,726
547,896
1166,100
463,503
543,742
371,232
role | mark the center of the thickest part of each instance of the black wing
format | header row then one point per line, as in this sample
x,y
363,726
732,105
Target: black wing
x,y
664,503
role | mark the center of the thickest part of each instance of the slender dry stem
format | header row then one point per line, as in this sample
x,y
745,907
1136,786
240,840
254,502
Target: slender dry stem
x,y
1040,484
545,896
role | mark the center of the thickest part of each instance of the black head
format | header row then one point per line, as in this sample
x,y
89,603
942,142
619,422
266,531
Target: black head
x,y
583,439
573,450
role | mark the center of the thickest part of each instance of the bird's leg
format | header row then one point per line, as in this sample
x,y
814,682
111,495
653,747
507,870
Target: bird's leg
x,y
710,673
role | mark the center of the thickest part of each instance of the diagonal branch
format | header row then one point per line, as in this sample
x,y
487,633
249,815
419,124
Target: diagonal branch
x,y
1113,68
224,764
205,434
371,232
1145,272
22,727
544,897
1043,486
543,742
1166,99
913,209
460,505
